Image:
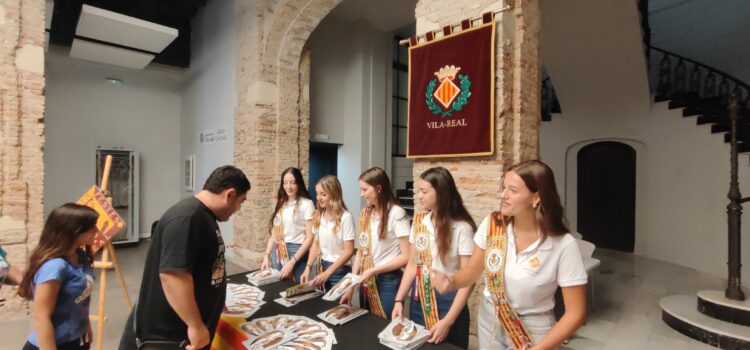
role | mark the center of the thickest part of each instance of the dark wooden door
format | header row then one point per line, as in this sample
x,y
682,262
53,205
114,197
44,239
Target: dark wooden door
x,y
606,195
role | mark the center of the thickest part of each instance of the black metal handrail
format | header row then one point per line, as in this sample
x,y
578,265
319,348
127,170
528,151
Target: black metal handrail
x,y
673,81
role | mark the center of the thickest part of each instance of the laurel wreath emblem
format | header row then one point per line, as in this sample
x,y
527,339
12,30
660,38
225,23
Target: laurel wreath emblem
x,y
461,100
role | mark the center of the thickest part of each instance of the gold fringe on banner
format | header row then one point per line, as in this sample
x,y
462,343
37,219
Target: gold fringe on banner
x,y
449,29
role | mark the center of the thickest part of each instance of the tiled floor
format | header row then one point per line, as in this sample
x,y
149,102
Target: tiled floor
x,y
626,303
626,308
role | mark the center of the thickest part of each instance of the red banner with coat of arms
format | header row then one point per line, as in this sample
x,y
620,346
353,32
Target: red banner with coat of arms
x,y
451,95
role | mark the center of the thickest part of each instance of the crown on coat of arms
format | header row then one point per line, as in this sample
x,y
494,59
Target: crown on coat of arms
x,y
448,72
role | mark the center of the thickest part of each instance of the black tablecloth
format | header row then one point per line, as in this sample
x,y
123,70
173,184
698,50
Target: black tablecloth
x,y
360,333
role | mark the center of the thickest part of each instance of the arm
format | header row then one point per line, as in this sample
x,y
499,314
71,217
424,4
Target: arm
x,y
45,297
465,277
267,254
314,251
307,243
345,256
461,297
407,279
180,293
395,263
347,297
574,299
441,329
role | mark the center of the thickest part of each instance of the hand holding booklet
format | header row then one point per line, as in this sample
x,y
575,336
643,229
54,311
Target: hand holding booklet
x,y
349,281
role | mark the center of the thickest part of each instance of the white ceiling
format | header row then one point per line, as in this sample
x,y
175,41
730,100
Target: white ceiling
x,y
384,15
715,33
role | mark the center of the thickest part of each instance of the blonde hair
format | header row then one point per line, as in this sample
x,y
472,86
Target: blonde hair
x,y
332,186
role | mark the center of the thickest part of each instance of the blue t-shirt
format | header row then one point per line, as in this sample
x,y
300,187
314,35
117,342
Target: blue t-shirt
x,y
71,315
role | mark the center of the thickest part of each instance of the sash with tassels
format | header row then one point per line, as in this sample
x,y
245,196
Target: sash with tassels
x,y
497,246
365,256
425,294
277,231
319,259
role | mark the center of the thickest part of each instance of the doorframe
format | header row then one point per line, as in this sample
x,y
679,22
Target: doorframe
x,y
570,195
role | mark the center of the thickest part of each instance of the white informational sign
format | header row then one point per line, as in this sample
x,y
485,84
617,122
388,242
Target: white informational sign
x,y
212,136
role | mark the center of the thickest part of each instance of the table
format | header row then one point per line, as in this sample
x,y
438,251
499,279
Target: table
x,y
360,333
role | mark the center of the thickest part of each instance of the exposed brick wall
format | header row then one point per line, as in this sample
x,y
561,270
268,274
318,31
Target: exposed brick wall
x,y
21,132
272,120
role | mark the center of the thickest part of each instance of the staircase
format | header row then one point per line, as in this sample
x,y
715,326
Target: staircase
x,y
702,92
406,196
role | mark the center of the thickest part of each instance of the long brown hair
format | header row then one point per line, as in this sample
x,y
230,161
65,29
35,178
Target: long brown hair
x,y
282,197
62,228
332,186
539,179
377,178
450,207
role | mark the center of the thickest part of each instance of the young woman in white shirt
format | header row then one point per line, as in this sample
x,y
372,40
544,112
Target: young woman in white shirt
x,y
291,227
333,230
383,244
441,238
527,253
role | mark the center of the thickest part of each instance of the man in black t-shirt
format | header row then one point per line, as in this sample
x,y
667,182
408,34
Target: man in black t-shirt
x,y
184,282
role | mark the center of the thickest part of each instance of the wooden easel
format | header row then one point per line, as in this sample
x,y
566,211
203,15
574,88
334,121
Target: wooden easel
x,y
105,264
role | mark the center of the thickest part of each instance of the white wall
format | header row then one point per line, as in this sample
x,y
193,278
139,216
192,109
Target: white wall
x,y
208,95
84,111
348,97
593,53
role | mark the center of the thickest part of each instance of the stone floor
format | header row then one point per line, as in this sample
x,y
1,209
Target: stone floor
x,y
626,303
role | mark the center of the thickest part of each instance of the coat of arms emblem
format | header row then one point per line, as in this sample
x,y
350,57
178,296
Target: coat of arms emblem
x,y
452,97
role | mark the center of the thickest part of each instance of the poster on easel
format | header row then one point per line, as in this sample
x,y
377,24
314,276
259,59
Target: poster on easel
x,y
109,223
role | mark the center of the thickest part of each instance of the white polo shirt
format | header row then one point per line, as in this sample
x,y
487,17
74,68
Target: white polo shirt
x,y
462,244
331,245
397,226
293,217
532,276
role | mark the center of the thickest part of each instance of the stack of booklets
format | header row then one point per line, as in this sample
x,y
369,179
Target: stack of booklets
x,y
341,314
287,332
242,300
262,277
297,294
349,281
403,335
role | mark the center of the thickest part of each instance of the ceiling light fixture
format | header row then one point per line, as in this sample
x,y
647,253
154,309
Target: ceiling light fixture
x,y
114,81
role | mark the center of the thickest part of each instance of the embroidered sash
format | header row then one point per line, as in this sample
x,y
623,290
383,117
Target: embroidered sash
x,y
319,259
277,231
425,294
497,246
365,256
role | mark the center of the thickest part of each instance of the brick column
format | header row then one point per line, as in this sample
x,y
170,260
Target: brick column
x,y
21,133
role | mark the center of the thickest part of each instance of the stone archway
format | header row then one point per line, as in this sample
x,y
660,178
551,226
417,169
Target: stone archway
x,y
272,115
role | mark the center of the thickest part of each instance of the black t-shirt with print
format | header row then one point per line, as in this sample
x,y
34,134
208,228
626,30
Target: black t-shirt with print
x,y
187,238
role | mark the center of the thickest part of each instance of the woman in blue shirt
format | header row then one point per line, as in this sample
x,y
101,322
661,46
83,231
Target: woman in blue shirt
x,y
59,280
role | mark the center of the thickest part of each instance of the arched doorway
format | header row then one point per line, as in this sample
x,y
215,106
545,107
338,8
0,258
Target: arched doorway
x,y
606,195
